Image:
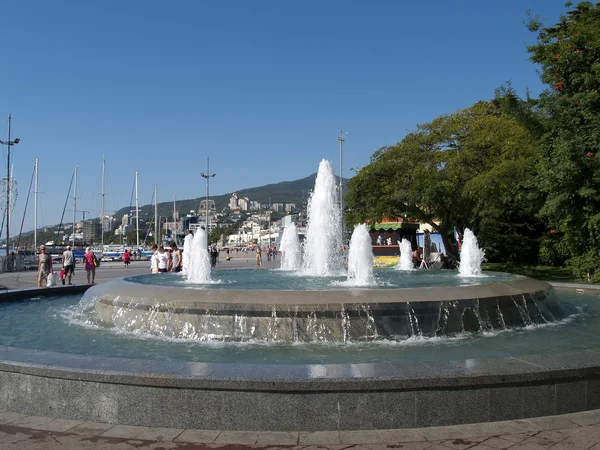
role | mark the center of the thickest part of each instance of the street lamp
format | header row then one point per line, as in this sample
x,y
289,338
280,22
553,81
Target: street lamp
x,y
9,144
207,176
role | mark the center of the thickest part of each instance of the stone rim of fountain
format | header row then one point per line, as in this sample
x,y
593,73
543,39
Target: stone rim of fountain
x,y
342,396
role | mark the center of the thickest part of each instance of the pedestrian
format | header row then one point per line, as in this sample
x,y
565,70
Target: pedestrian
x,y
90,265
177,258
162,258
44,266
126,258
68,263
154,260
258,256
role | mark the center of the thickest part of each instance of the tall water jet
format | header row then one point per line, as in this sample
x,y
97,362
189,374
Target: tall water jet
x,y
291,251
198,270
406,259
187,249
471,256
360,258
322,248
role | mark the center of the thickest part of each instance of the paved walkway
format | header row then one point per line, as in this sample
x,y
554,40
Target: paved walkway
x,y
110,270
571,431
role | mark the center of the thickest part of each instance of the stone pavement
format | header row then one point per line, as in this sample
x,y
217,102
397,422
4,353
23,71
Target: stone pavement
x,y
570,431
110,270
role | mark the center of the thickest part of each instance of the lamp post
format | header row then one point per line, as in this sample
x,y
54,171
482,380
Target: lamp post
x,y
207,176
341,138
9,144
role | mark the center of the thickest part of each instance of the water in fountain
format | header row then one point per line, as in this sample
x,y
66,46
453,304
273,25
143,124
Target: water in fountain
x,y
471,256
187,249
291,251
360,258
406,259
198,270
322,256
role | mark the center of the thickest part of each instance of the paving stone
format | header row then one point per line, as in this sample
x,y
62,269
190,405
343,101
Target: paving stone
x,y
319,437
425,445
237,437
519,437
124,431
277,438
462,443
160,434
31,421
59,425
583,418
499,442
91,428
442,433
398,436
552,422
582,438
533,443
360,437
198,436
553,435
8,417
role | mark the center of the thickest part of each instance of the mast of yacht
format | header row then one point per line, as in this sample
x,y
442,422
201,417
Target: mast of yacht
x,y
174,220
35,195
155,217
102,218
74,207
137,213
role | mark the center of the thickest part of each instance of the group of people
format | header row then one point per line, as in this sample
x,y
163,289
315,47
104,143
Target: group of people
x,y
166,260
45,268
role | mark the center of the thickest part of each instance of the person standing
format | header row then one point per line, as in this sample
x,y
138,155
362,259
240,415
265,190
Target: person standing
x,y
44,266
162,259
154,260
126,258
177,258
68,263
90,266
258,256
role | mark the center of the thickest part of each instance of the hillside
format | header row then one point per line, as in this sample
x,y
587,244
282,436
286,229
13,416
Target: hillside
x,y
296,191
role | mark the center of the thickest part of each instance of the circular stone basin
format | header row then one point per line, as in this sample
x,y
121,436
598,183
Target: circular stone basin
x,y
325,310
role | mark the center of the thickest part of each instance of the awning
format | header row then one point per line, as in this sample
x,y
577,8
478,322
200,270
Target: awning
x,y
392,226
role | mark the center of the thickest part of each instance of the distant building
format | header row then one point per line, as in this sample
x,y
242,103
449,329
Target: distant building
x,y
277,207
91,232
254,206
290,207
233,201
243,203
125,220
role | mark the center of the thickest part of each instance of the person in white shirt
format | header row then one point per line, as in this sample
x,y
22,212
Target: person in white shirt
x,y
163,259
154,260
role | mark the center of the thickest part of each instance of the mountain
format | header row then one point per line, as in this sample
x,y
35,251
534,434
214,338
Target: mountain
x,y
296,191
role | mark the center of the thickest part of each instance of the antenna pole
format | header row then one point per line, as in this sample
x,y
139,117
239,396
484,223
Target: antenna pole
x,y
74,206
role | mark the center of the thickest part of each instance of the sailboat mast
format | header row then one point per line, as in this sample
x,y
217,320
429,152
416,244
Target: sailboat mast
x,y
35,196
74,206
174,220
155,217
102,212
137,213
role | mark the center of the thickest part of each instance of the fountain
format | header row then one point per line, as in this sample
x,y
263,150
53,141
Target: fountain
x,y
322,256
291,250
307,348
471,256
360,258
406,258
187,249
198,270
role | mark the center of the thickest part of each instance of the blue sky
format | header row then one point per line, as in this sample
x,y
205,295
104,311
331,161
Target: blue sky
x,y
260,87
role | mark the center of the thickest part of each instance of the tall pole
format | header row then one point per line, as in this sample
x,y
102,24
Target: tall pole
x,y
8,189
137,213
341,138
102,212
74,206
207,175
35,198
155,217
174,220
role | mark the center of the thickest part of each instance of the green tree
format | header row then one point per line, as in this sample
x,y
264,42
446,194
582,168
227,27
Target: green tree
x,y
569,165
473,168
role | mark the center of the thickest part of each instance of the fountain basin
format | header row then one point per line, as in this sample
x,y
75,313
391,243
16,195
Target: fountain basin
x,y
316,315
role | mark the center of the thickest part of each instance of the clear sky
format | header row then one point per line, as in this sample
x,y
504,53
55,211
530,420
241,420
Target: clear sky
x,y
260,87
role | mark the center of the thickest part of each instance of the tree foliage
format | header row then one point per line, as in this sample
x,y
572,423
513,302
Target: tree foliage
x,y
473,168
569,165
